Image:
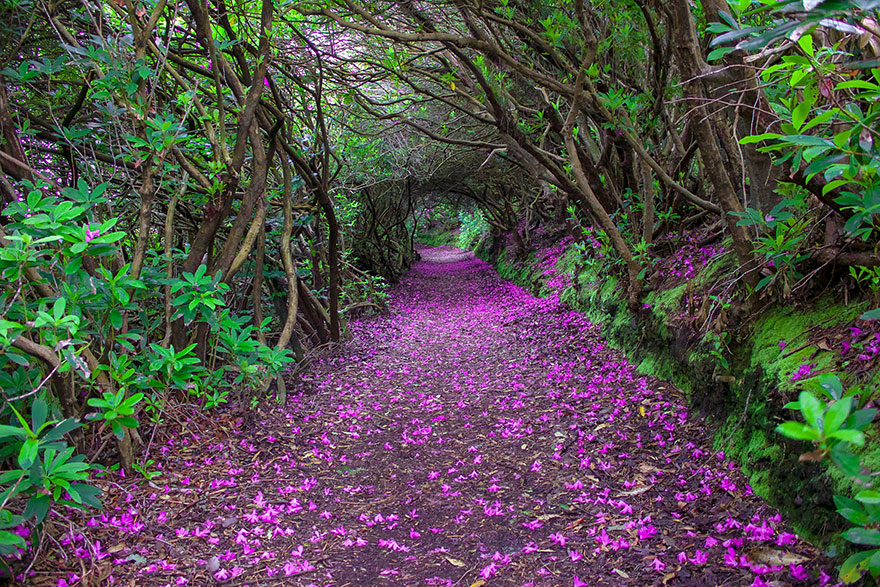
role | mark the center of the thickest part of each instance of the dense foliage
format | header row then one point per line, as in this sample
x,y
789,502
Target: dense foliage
x,y
195,194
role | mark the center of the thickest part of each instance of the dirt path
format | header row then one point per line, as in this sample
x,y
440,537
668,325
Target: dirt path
x,y
476,434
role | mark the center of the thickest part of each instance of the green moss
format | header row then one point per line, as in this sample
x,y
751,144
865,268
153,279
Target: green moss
x,y
436,239
665,303
718,268
793,327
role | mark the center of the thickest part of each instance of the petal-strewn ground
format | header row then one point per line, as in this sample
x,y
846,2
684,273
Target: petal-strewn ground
x,y
476,434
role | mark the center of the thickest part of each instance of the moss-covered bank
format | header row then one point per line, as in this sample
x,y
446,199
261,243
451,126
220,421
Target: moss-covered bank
x,y
743,402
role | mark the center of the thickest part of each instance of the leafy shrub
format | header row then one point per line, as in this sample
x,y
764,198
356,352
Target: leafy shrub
x,y
78,331
834,424
474,229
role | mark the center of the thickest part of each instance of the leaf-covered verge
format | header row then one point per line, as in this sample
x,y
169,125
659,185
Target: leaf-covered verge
x,y
742,397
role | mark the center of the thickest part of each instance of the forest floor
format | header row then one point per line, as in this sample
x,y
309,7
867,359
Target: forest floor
x,y
475,436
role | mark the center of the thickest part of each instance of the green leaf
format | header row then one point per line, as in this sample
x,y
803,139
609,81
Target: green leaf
x,y
88,494
857,83
861,418
37,507
851,569
39,412
852,436
134,399
831,383
719,52
868,496
10,476
734,35
758,138
862,536
10,539
127,421
812,409
798,431
871,315
851,510
62,428
116,319
17,359
806,140
837,414
824,117
806,43
800,113
7,431
73,266
28,453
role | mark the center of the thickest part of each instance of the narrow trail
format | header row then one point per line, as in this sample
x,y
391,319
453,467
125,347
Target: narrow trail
x,y
476,434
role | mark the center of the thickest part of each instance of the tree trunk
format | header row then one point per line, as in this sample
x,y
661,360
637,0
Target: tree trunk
x,y
694,70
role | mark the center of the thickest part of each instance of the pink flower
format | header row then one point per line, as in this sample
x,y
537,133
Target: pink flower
x,y
489,570
786,538
575,555
802,371
658,565
646,532
222,575
559,539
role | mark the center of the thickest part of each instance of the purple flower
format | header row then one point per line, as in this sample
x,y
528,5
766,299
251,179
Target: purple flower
x,y
700,557
646,532
222,575
802,371
559,539
798,573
